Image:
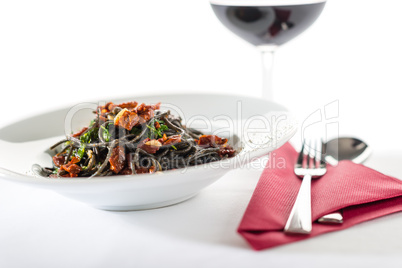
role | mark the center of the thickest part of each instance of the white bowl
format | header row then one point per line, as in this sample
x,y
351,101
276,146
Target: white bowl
x,y
250,135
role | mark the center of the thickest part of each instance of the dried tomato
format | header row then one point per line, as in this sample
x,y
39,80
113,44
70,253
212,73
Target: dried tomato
x,y
172,140
126,171
140,108
156,106
69,175
107,105
157,125
79,133
128,105
152,169
127,120
141,170
104,108
211,141
102,119
146,112
72,168
117,159
74,160
58,160
226,150
163,139
151,149
138,170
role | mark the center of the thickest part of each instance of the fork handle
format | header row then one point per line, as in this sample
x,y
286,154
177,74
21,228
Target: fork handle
x,y
299,220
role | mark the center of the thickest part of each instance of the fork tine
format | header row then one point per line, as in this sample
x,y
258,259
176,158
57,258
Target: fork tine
x,y
323,164
308,152
315,159
301,155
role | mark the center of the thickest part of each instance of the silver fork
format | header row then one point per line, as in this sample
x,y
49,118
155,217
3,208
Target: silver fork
x,y
310,165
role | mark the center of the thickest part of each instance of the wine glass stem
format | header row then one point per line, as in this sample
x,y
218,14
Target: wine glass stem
x,y
267,56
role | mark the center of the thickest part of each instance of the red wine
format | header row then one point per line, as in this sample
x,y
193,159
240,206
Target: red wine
x,y
268,25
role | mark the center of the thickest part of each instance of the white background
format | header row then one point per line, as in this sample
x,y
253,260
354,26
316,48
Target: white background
x,y
54,53
57,53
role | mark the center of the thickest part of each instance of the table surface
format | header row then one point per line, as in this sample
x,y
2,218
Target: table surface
x,y
39,228
55,53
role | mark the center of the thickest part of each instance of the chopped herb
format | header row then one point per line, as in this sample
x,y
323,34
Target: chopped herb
x,y
89,136
163,128
80,152
157,132
174,147
67,143
105,134
136,131
153,132
85,138
56,170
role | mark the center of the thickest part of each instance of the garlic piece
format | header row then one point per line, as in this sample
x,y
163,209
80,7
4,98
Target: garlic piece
x,y
154,143
120,114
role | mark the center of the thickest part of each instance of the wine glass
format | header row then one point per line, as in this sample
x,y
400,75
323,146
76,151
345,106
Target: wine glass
x,y
267,24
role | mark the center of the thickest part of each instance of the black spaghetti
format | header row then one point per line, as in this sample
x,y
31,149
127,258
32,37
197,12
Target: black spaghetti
x,y
131,138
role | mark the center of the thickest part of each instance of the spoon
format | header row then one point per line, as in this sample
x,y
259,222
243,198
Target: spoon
x,y
344,148
347,148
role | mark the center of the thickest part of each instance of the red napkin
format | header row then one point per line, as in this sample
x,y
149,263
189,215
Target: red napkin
x,y
362,194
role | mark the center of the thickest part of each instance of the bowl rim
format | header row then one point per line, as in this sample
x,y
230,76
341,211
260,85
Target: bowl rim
x,y
151,178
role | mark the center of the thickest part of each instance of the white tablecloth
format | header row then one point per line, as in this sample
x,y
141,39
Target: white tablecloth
x,y
39,228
